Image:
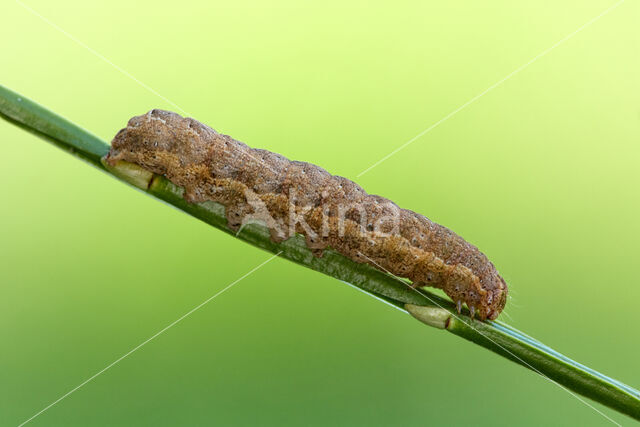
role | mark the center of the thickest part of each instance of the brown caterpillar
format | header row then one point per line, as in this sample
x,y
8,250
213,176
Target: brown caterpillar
x,y
296,197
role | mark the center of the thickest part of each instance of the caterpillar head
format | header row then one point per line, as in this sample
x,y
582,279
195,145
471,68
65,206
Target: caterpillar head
x,y
484,294
495,299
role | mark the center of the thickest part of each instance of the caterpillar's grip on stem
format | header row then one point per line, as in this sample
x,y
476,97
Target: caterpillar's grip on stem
x,y
295,197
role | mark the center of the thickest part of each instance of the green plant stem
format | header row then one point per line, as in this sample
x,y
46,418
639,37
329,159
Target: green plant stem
x,y
425,306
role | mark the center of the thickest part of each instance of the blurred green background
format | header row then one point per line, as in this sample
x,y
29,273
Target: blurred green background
x,y
541,173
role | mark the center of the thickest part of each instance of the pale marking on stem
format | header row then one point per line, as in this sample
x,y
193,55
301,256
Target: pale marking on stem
x,y
432,316
362,173
497,344
131,173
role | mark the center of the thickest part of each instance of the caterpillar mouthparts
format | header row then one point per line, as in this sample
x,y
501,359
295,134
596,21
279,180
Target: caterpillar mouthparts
x,y
296,197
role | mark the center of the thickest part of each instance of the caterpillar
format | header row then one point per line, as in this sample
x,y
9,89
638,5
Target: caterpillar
x,y
291,197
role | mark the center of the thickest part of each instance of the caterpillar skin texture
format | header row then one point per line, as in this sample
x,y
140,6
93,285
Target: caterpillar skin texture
x,y
330,211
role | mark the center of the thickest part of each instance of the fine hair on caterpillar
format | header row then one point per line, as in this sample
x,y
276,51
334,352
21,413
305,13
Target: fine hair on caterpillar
x,y
290,197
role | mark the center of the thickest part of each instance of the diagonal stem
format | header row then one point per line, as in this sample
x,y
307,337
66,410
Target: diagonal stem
x,y
429,308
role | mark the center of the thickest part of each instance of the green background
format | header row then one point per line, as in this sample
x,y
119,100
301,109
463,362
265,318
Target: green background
x,y
541,173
